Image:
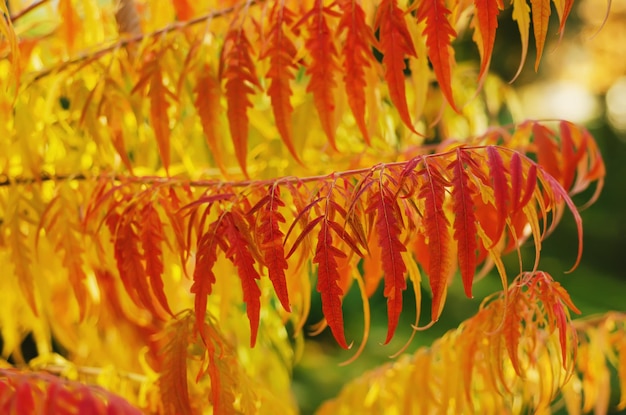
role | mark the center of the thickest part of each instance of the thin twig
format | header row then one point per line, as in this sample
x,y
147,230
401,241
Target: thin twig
x,y
134,39
24,12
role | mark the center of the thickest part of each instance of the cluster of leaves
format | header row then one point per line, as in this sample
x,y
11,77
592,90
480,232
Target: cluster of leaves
x,y
128,255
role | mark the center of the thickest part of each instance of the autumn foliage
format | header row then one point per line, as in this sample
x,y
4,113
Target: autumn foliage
x,y
179,178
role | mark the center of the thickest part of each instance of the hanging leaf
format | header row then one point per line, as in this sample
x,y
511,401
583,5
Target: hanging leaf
x,y
321,69
240,74
439,34
282,55
357,52
396,45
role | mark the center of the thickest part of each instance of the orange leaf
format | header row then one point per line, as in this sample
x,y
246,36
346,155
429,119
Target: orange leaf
x,y
151,236
464,218
357,51
436,229
184,9
327,279
541,18
270,243
173,377
388,229
521,14
239,253
321,46
500,188
158,115
203,276
240,74
439,33
395,44
282,54
487,15
207,104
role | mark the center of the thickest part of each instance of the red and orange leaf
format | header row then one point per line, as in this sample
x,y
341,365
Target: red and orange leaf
x,y
547,150
563,9
270,243
158,115
487,15
541,18
173,382
203,275
321,69
497,171
282,54
464,225
239,253
439,34
240,74
357,52
184,9
388,228
151,236
207,105
436,229
327,282
395,44
129,259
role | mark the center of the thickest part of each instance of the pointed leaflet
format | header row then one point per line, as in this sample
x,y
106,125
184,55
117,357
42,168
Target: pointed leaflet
x,y
541,18
270,243
395,44
152,238
282,54
464,218
521,14
487,15
321,69
500,189
173,384
240,74
207,105
203,275
357,52
438,34
436,229
388,229
158,115
327,278
239,253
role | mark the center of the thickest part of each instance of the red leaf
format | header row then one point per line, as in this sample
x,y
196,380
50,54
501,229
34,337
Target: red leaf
x,y
271,242
357,56
465,231
240,75
282,54
547,150
487,15
203,276
327,279
321,46
395,44
388,229
151,235
499,182
184,10
439,33
128,258
436,230
241,257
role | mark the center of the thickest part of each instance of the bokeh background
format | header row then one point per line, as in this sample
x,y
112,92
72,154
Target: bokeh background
x,y
582,78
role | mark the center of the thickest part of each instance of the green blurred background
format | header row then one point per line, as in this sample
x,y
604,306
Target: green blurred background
x,y
582,78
